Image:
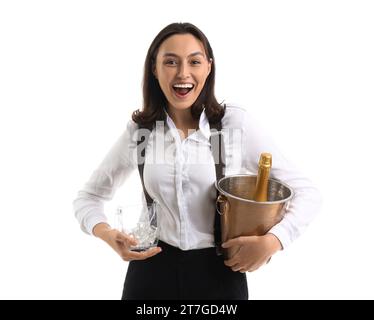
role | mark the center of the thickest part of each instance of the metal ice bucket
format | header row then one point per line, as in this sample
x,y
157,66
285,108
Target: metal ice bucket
x,y
241,215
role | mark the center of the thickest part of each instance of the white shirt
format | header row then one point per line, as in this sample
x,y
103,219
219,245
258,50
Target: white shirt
x,y
180,174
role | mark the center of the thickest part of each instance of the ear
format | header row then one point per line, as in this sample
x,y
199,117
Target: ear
x,y
209,65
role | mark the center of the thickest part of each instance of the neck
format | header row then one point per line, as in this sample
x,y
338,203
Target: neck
x,y
182,118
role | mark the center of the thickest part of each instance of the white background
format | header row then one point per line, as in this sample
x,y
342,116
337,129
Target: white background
x,y
70,76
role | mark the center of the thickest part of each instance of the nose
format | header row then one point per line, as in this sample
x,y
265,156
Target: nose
x,y
183,70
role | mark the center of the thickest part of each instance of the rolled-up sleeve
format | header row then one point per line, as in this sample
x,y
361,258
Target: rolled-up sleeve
x,y
307,199
105,180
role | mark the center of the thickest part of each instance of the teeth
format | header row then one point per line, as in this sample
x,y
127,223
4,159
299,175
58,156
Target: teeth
x,y
183,85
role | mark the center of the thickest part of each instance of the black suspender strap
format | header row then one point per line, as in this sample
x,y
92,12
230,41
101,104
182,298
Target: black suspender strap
x,y
143,137
217,144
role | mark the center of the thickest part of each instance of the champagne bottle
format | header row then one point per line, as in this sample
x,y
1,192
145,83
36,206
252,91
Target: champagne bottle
x,y
264,166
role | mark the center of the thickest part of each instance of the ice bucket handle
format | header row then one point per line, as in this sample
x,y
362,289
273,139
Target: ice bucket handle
x,y
222,201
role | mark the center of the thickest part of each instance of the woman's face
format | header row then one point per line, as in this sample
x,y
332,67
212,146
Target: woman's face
x,y
181,69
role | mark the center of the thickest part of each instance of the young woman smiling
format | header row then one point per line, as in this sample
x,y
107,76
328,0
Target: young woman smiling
x,y
178,92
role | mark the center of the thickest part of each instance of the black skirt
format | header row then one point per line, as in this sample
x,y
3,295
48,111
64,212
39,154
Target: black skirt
x,y
174,274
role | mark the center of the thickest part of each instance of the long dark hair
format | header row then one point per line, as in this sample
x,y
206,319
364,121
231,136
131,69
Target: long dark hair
x,y
154,100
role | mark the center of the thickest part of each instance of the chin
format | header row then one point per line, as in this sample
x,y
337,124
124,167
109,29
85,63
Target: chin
x,y
182,105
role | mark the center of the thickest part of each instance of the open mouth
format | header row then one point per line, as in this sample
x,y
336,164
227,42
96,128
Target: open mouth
x,y
182,89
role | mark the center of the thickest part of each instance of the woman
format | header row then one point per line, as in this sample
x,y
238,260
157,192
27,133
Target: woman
x,y
178,91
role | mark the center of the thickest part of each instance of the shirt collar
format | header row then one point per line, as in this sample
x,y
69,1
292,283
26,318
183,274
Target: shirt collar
x,y
204,127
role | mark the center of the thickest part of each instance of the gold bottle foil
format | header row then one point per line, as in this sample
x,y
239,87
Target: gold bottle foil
x,y
262,182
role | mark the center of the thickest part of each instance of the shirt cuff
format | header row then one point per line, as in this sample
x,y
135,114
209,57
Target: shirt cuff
x,y
92,220
282,234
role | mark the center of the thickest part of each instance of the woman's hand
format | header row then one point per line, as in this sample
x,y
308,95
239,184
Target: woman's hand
x,y
121,243
254,251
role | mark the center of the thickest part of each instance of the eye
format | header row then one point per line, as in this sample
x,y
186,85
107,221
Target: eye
x,y
195,62
171,62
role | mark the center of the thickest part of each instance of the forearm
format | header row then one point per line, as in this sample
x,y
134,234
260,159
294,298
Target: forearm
x,y
100,230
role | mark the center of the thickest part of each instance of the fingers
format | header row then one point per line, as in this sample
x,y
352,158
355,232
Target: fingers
x,y
236,263
239,267
236,267
235,259
231,262
232,242
133,255
245,268
126,239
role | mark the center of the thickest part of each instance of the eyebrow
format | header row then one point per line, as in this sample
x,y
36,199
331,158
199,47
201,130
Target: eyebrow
x,y
170,54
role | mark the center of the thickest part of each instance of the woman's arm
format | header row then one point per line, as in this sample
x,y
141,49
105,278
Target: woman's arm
x,y
256,250
105,180
101,187
307,199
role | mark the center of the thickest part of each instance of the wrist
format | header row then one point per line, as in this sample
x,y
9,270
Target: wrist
x,y
274,242
101,229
